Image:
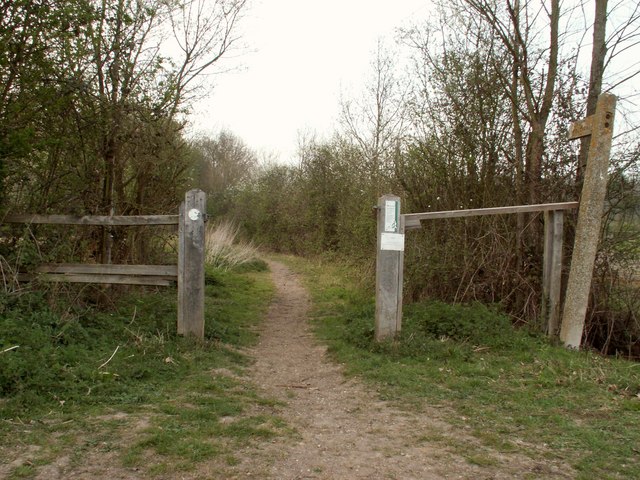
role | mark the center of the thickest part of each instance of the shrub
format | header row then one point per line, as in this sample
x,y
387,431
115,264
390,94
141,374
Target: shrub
x,y
474,323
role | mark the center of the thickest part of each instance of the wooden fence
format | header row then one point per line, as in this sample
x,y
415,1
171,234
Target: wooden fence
x,y
188,273
392,225
390,257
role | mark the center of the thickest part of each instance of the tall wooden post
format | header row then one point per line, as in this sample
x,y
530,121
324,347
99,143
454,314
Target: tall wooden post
x,y
181,283
389,265
600,127
191,240
552,269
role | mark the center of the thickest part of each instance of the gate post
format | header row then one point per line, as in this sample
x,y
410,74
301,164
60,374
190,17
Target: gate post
x,y
552,270
191,238
389,266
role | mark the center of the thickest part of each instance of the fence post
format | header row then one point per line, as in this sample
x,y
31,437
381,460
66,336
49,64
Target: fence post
x,y
552,269
389,266
600,127
191,234
181,284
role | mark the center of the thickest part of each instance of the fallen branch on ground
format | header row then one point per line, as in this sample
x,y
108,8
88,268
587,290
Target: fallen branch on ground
x,y
112,355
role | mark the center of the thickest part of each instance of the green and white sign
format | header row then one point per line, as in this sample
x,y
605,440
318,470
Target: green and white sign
x,y
391,216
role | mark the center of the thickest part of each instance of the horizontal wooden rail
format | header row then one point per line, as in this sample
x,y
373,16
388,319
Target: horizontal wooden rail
x,y
97,278
412,220
158,275
116,220
103,269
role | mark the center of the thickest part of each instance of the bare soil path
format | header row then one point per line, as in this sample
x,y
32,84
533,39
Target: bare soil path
x,y
344,431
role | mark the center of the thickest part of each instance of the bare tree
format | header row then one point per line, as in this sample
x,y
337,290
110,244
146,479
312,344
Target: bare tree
x,y
222,163
624,21
205,31
135,83
376,122
534,83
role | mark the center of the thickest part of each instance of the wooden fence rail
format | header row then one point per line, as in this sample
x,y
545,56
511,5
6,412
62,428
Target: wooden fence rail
x,y
412,220
116,220
169,271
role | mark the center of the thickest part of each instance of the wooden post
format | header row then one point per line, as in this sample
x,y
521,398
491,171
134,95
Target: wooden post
x,y
600,127
552,269
389,263
400,276
181,283
191,265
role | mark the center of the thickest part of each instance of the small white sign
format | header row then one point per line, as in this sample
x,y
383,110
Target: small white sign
x,y
392,241
194,214
390,216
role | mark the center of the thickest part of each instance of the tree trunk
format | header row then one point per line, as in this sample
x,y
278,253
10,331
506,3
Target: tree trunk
x,y
598,54
108,205
518,157
535,151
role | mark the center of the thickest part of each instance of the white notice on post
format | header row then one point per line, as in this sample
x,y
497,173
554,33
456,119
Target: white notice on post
x,y
392,241
390,216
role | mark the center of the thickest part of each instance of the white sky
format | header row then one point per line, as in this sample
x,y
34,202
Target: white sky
x,y
301,55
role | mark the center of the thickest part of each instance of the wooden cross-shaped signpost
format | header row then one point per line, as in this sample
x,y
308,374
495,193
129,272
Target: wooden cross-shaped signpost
x,y
600,127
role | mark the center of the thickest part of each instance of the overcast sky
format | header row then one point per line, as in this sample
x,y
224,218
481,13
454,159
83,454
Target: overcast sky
x,y
300,55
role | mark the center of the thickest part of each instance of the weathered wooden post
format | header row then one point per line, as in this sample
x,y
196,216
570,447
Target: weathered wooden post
x,y
600,127
552,269
389,265
191,238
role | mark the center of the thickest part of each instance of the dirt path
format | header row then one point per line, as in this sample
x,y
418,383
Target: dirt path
x,y
343,430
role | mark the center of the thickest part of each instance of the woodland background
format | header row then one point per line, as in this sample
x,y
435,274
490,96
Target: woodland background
x,y
467,109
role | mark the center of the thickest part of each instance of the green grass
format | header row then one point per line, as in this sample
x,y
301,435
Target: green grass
x,y
82,379
513,389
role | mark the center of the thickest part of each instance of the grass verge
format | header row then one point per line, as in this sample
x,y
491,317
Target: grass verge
x,y
512,390
122,390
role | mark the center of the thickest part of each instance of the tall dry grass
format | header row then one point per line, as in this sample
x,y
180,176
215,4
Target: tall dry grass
x,y
223,250
8,277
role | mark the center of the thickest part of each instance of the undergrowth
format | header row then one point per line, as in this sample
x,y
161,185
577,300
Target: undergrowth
x,y
513,389
66,364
